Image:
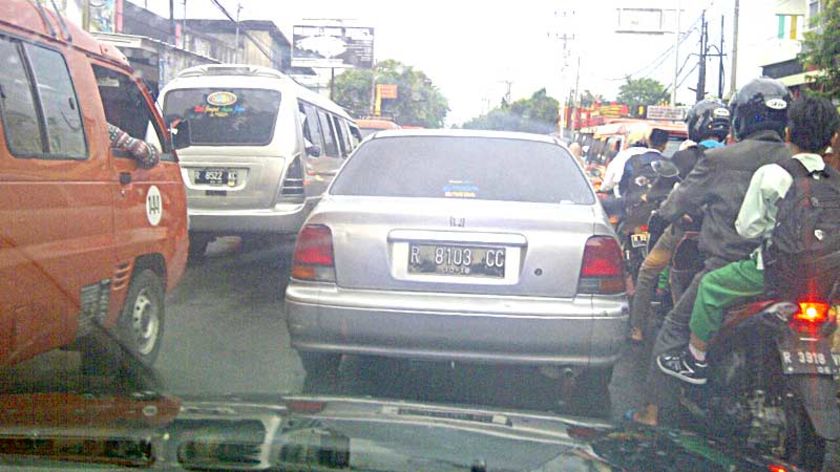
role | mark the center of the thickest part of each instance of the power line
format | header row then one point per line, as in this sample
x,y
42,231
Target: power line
x,y
248,35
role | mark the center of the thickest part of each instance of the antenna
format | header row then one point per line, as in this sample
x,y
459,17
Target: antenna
x,y
64,29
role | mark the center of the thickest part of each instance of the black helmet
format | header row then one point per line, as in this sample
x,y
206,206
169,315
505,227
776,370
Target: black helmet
x,y
759,105
709,118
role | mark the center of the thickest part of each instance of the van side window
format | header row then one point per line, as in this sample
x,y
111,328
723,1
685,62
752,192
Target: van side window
x,y
65,133
126,106
17,104
311,126
355,134
343,141
330,146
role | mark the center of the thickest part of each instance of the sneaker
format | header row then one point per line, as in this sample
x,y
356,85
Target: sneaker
x,y
683,366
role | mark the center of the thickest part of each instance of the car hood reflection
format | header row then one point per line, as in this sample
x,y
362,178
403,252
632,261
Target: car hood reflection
x,y
259,432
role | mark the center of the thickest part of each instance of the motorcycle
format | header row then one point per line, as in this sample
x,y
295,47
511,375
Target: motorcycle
x,y
771,371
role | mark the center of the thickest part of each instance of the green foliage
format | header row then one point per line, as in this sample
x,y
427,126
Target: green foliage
x,y
644,91
821,50
537,114
418,101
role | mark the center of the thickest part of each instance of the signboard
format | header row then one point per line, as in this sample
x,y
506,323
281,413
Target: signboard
x,y
646,20
666,113
325,46
387,91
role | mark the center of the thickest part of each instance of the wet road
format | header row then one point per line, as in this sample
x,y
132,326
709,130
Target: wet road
x,y
225,333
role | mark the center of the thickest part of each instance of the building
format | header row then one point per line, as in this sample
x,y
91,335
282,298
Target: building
x,y
795,18
260,41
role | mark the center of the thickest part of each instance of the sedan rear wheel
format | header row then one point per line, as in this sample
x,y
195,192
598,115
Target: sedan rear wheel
x,y
321,371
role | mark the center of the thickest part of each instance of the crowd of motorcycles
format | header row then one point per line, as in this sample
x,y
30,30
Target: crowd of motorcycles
x,y
755,395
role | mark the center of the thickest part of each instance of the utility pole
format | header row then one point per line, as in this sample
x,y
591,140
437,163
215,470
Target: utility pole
x,y
720,64
734,74
676,58
236,37
172,20
184,28
701,76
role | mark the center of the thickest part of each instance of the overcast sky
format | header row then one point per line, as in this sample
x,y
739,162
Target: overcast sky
x,y
471,48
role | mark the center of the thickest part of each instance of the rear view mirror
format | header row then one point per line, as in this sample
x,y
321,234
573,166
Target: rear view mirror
x,y
313,151
181,135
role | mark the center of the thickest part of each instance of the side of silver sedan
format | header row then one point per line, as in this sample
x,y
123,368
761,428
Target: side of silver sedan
x,y
458,245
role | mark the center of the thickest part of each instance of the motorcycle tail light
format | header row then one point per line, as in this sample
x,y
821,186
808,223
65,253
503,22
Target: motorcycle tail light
x,y
812,313
777,468
642,229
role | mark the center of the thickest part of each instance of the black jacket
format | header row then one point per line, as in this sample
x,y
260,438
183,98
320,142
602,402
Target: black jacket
x,y
717,185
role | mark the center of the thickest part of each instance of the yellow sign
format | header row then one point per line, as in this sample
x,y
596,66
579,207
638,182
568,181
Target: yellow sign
x,y
387,91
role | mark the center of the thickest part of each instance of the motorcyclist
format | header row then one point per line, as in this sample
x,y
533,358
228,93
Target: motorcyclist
x,y
708,126
717,185
812,123
637,136
631,187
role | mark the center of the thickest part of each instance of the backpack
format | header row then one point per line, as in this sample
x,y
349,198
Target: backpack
x,y
804,254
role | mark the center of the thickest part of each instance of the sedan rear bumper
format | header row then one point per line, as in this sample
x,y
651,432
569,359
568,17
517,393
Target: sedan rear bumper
x,y
283,218
583,331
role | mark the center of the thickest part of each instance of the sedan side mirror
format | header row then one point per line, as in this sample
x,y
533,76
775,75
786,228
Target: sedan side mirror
x,y
313,151
181,135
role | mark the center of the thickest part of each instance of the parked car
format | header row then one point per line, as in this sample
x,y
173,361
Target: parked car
x,y
87,236
458,245
263,149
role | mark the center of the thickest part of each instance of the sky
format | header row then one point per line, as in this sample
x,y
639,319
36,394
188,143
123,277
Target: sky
x,y
472,49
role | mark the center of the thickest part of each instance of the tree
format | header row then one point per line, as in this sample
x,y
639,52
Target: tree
x,y
537,114
821,50
587,98
642,91
419,102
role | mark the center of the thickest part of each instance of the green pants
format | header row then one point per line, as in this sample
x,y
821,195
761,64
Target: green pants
x,y
720,289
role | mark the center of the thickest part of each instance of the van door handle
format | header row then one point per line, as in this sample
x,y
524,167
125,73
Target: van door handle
x,y
125,178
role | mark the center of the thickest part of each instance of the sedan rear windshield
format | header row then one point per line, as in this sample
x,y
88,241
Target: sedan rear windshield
x,y
464,167
225,117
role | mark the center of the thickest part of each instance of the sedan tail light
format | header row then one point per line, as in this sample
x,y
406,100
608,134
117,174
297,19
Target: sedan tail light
x,y
313,258
602,271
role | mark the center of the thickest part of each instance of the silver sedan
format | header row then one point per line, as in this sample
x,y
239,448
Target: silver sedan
x,y
455,245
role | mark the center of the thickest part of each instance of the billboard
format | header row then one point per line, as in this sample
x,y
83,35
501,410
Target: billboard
x,y
323,46
666,113
646,20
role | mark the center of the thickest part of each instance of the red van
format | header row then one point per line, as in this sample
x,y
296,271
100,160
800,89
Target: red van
x,y
86,236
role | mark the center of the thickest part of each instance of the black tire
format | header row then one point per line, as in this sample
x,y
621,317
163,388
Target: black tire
x,y
198,246
802,446
591,395
141,322
321,371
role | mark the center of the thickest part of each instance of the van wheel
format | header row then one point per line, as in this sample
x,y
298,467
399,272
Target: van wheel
x,y
198,246
140,325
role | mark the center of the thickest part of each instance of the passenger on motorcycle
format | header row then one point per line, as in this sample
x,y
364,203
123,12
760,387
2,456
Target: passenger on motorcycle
x,y
708,126
812,123
637,137
716,187
638,173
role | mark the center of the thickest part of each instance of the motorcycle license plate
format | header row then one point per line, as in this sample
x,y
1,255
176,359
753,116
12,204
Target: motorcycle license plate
x,y
809,357
639,239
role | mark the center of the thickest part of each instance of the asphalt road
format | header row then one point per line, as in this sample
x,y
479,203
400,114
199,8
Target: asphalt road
x,y
225,333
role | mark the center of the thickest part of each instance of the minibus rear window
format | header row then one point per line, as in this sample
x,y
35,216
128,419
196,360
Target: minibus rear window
x,y
223,116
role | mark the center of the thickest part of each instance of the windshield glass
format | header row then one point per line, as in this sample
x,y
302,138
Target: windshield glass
x,y
464,167
356,235
225,117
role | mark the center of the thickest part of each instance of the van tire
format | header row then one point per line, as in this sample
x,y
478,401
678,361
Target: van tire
x,y
140,325
198,246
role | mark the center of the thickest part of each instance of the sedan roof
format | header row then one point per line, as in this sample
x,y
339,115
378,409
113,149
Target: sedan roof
x,y
466,133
